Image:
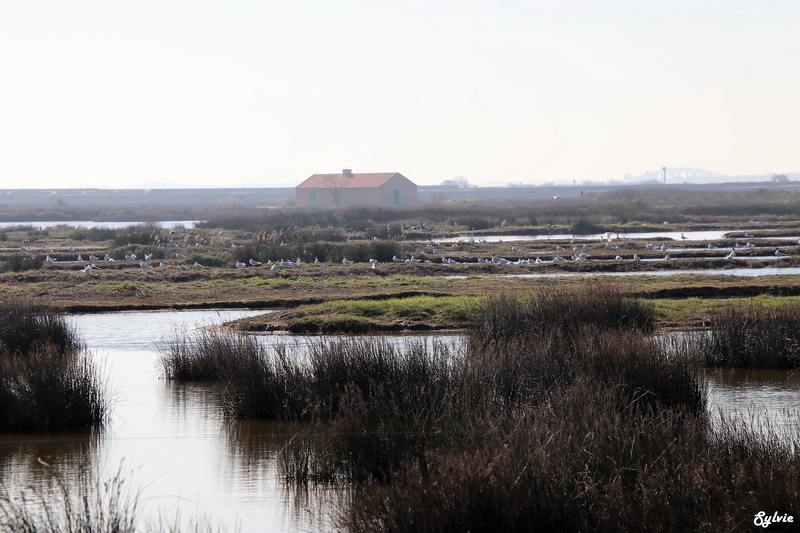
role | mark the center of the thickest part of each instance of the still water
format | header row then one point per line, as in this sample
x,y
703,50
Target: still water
x,y
185,458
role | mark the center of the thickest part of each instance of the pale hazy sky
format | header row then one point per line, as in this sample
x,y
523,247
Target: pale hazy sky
x,y
261,93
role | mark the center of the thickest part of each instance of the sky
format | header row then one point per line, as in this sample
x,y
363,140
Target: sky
x,y
260,93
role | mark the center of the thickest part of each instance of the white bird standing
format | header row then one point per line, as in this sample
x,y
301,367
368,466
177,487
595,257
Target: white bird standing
x,y
239,264
346,261
143,264
180,256
254,262
317,261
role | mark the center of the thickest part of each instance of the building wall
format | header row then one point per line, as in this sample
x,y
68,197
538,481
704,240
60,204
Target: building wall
x,y
384,196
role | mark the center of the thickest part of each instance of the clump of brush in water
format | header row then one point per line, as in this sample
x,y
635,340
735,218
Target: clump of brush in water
x,y
47,382
748,335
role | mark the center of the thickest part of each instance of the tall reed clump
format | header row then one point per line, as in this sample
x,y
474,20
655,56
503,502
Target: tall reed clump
x,y
753,336
575,424
266,385
47,382
384,405
208,355
574,465
547,311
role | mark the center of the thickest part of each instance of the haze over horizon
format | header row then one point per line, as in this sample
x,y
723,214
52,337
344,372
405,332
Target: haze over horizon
x,y
250,93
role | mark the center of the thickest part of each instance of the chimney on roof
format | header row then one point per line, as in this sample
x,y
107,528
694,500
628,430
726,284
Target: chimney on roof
x,y
348,172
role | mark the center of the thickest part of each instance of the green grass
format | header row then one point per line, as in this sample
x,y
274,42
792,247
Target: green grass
x,y
415,308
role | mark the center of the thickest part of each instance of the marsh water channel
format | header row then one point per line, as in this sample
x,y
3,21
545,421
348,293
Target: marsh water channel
x,y
183,457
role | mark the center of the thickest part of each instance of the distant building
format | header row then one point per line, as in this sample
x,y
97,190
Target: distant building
x,y
384,189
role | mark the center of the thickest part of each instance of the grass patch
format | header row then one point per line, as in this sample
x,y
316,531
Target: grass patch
x,y
375,315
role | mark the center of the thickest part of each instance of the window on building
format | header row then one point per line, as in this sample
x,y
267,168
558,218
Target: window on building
x,y
313,196
396,199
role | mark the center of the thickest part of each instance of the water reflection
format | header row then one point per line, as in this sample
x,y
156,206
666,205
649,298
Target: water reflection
x,y
756,397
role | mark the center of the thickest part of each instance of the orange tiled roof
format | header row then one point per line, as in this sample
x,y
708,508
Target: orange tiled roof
x,y
354,181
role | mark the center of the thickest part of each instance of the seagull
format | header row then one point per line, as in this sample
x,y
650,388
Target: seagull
x,y
711,246
413,260
666,257
133,256
618,258
163,264
346,261
559,248
637,258
79,258
317,261
374,263
92,257
90,267
780,254
108,258
514,249
180,256
747,235
274,266
254,262
396,259
650,246
49,259
683,236
146,256
71,249
558,258
731,255
144,265
750,245
239,264
48,250
197,264
664,248
183,267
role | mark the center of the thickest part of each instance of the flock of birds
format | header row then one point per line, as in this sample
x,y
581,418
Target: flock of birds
x,y
579,252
